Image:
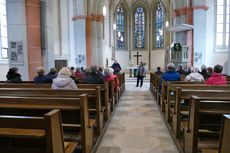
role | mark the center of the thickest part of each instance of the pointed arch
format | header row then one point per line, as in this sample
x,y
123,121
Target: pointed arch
x,y
121,21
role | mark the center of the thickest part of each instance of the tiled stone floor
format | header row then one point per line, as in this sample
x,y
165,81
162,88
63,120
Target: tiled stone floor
x,y
137,126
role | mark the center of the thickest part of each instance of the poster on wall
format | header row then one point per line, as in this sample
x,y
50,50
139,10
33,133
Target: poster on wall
x,y
16,53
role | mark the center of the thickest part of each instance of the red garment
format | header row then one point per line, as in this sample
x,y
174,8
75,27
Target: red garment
x,y
111,77
216,79
79,74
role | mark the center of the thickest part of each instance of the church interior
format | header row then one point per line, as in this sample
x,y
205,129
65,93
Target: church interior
x,y
97,52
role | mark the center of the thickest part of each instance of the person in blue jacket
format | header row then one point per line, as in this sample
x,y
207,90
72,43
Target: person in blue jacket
x,y
171,74
116,65
41,77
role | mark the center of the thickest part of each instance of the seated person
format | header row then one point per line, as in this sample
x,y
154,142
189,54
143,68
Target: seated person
x,y
108,76
72,71
13,76
78,73
64,80
180,70
171,74
52,74
217,77
93,78
100,71
41,78
209,71
158,71
194,76
116,71
188,70
204,72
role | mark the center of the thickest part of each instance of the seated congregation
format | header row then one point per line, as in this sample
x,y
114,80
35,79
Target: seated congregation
x,y
194,105
37,117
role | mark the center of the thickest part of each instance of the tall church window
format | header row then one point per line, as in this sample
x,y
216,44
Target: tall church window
x,y
139,28
3,30
222,23
120,27
159,26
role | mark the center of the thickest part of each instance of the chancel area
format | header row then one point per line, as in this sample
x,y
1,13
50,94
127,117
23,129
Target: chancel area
x,y
114,76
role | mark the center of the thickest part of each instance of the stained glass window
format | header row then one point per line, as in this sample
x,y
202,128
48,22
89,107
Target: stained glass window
x,y
139,28
120,27
159,26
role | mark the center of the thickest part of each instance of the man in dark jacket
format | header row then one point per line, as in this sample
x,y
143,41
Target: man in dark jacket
x,y
116,65
140,74
93,78
52,74
41,78
158,71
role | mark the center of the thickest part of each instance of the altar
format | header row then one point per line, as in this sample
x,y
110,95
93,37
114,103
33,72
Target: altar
x,y
131,69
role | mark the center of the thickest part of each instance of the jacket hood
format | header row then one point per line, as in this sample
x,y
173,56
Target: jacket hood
x,y
62,80
196,76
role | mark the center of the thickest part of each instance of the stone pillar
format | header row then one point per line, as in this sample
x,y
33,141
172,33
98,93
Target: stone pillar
x,y
199,19
100,20
94,40
33,25
89,41
48,51
229,53
190,36
16,19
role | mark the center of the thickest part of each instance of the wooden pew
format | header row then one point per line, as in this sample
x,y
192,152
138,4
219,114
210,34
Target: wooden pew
x,y
94,98
20,134
74,111
204,120
105,91
224,146
168,87
184,94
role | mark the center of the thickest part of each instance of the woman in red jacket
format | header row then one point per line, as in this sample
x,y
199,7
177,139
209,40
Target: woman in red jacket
x,y
108,76
217,77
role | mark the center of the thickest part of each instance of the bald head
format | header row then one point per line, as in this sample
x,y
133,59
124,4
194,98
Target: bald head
x,y
171,67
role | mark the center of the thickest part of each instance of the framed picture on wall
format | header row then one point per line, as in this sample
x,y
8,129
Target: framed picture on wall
x,y
16,53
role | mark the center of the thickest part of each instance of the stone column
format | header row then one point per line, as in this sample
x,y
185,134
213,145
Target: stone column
x,y
94,40
33,22
199,36
16,19
48,51
100,20
80,33
89,56
229,52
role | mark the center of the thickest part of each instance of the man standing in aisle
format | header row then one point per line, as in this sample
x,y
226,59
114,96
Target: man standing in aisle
x,y
115,65
140,74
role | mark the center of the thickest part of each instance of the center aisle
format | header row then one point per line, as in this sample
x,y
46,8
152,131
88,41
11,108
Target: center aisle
x,y
137,126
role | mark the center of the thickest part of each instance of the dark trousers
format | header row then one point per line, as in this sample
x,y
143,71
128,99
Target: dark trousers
x,y
138,79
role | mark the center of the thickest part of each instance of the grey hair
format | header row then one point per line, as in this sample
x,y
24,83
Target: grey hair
x,y
203,67
107,72
40,70
65,71
93,68
171,66
87,70
195,69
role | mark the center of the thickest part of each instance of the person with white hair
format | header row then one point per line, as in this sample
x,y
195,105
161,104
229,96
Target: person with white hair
x,y
108,76
93,77
41,78
194,76
171,74
64,80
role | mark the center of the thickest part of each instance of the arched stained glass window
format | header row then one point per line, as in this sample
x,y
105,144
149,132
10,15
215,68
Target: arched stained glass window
x,y
159,26
139,28
120,27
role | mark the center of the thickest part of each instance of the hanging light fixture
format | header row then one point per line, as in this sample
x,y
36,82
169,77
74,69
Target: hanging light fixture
x,y
114,26
104,10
